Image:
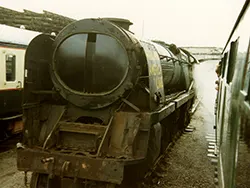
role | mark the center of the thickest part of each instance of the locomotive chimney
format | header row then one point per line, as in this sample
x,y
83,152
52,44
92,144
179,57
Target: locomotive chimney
x,y
124,23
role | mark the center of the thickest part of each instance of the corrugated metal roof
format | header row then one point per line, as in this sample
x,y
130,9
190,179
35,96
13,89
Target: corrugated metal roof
x,y
14,35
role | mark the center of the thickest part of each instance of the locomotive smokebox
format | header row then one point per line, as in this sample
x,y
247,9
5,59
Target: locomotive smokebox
x,y
94,62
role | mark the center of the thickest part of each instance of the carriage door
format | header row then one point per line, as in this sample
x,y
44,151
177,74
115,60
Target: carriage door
x,y
12,68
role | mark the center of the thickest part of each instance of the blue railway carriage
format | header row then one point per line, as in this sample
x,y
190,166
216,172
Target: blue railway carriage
x,y
233,106
13,43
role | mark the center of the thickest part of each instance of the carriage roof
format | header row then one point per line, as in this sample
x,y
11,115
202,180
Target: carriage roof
x,y
13,35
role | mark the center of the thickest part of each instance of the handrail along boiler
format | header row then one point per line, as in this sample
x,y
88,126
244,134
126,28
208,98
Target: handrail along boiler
x,y
98,101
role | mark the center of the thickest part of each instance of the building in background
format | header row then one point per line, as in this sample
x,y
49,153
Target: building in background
x,y
46,22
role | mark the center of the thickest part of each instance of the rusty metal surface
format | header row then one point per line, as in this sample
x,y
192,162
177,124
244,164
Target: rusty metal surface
x,y
177,76
90,100
98,134
128,139
171,68
124,130
81,137
154,145
155,73
54,116
81,128
106,170
73,113
163,112
81,142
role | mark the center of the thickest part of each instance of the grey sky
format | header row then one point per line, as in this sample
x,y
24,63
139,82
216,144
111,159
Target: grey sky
x,y
184,22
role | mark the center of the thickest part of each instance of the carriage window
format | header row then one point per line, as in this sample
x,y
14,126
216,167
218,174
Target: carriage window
x,y
232,61
246,73
224,63
10,67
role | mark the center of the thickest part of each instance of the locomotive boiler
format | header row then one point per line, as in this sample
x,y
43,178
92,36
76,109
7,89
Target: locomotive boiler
x,y
99,103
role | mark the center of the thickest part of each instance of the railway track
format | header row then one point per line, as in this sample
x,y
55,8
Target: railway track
x,y
154,175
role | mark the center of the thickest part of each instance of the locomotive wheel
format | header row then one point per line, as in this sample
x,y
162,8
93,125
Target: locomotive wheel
x,y
42,181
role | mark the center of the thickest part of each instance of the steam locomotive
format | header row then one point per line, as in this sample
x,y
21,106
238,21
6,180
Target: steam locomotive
x,y
100,104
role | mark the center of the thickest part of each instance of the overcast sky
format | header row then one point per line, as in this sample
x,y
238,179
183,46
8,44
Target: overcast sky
x,y
184,22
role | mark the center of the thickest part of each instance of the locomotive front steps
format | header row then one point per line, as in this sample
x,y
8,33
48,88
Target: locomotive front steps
x,y
79,136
